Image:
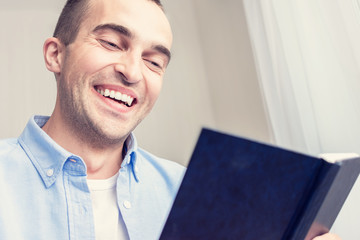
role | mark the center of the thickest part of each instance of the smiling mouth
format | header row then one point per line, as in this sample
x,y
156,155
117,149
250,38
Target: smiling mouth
x,y
117,96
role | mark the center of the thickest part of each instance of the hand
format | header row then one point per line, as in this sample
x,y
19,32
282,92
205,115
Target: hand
x,y
328,236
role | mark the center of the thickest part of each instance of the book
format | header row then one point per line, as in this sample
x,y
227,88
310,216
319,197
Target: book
x,y
235,188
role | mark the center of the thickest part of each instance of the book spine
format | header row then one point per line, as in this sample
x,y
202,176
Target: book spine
x,y
329,194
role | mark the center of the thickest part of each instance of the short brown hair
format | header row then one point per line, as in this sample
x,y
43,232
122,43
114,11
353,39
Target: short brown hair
x,y
72,16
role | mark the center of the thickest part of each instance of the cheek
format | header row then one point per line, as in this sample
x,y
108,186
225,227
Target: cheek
x,y
93,61
154,89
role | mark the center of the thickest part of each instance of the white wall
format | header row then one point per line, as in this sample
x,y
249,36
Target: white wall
x,y
237,102
27,87
204,86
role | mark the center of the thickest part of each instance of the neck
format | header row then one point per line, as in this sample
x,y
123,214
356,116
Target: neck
x,y
102,161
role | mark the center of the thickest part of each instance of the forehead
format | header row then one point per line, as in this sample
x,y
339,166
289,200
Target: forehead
x,y
144,18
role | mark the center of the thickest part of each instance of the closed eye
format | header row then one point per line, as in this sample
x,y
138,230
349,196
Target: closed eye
x,y
109,45
155,66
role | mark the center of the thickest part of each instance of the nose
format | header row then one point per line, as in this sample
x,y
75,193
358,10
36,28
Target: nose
x,y
129,66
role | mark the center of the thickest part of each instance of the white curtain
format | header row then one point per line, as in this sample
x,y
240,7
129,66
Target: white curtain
x,y
308,60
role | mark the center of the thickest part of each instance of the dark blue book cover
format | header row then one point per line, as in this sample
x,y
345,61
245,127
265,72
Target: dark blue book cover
x,y
235,188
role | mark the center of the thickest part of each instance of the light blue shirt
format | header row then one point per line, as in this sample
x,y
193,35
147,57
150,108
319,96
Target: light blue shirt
x,y
44,192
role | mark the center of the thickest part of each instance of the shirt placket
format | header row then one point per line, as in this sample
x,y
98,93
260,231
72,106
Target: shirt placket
x,y
125,201
79,206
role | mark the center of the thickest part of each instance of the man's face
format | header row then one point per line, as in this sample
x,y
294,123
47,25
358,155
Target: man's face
x,y
112,73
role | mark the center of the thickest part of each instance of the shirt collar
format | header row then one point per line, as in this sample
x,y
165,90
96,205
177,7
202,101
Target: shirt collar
x,y
130,158
46,155
49,158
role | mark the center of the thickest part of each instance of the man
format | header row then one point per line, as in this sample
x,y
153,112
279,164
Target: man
x,y
109,73
79,174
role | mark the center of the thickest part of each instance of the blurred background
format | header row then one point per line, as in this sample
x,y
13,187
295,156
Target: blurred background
x,y
277,71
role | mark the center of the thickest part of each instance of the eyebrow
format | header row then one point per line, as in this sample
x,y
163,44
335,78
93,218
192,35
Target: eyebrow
x,y
163,50
127,33
117,28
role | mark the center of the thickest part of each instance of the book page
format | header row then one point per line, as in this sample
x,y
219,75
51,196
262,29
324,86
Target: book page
x,y
337,157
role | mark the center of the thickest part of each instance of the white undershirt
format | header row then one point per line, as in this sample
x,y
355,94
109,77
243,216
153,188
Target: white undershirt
x,y
109,224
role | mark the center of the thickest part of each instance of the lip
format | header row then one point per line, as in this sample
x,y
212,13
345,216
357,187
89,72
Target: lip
x,y
114,105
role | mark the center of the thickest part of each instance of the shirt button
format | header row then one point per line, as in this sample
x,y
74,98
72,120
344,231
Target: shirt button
x,y
127,204
50,172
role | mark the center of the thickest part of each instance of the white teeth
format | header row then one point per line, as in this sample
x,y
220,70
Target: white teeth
x,y
116,95
130,101
124,98
112,94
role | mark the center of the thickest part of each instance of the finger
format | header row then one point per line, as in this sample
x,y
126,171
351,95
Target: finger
x,y
328,236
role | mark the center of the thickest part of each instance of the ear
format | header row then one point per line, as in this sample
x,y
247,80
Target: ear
x,y
53,53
